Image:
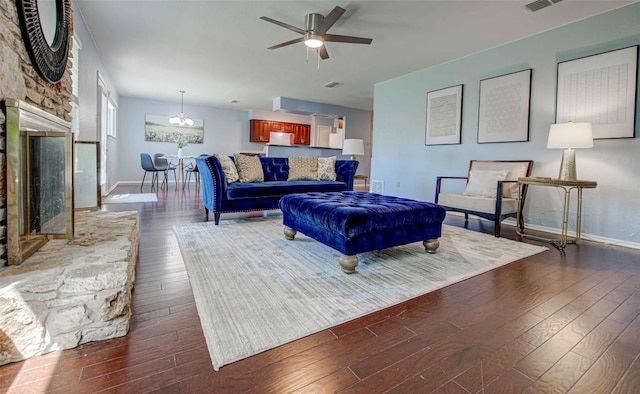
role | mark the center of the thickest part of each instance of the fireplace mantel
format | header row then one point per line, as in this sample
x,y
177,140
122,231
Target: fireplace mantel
x,y
39,152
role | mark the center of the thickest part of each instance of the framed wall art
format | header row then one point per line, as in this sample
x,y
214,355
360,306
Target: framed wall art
x,y
444,116
503,115
601,90
158,129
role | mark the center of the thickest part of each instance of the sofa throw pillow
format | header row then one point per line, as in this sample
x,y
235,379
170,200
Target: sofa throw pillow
x,y
249,168
484,183
303,168
327,168
228,167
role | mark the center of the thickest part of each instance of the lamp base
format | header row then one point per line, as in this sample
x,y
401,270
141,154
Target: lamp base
x,y
568,166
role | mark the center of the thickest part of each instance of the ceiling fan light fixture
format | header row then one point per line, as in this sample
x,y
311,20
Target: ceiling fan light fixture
x,y
312,40
314,34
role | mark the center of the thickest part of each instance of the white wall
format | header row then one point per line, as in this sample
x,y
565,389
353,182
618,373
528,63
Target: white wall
x,y
225,131
357,123
279,116
409,168
90,65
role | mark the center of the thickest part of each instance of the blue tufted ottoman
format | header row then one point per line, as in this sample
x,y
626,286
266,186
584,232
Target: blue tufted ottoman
x,y
357,222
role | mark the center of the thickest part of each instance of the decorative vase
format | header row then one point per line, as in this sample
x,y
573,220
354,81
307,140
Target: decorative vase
x,y
179,153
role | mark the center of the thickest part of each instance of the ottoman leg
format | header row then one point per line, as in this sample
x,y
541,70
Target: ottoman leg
x,y
431,245
289,233
348,263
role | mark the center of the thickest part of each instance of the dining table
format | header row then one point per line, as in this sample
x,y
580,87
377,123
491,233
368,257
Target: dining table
x,y
180,166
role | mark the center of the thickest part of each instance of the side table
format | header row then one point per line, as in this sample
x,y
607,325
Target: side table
x,y
567,186
362,178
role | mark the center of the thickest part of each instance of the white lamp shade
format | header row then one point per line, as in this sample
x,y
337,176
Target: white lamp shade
x,y
353,147
570,135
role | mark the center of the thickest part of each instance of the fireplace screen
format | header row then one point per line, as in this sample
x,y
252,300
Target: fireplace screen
x,y
46,181
39,179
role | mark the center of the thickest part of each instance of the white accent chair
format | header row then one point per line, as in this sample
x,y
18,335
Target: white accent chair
x,y
491,191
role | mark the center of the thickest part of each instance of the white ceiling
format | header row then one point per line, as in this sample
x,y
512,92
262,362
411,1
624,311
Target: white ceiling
x,y
217,50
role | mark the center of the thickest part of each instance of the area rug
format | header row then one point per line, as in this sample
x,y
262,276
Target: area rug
x,y
254,290
130,198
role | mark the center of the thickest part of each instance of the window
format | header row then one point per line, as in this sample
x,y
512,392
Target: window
x,y
107,116
111,117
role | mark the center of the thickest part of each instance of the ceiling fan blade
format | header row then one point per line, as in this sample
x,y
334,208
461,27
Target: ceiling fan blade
x,y
349,39
282,24
330,19
322,51
284,44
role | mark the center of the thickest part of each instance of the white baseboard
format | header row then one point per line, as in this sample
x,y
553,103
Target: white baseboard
x,y
551,230
589,237
109,190
138,183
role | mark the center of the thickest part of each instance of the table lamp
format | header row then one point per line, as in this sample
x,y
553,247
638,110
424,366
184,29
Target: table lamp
x,y
569,136
353,148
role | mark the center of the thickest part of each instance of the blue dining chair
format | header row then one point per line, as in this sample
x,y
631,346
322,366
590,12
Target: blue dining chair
x,y
162,163
192,168
147,165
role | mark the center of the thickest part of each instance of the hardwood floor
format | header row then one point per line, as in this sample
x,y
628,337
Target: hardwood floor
x,y
550,323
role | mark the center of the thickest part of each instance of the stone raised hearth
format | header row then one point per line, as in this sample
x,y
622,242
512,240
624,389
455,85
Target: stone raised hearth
x,y
71,292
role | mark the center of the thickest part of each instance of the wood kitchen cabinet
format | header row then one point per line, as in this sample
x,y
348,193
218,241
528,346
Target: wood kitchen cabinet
x,y
277,127
282,127
259,131
301,134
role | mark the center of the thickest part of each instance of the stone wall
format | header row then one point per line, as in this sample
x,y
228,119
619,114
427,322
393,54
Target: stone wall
x,y
71,292
19,80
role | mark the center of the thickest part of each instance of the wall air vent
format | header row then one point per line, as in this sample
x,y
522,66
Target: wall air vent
x,y
540,4
331,84
377,187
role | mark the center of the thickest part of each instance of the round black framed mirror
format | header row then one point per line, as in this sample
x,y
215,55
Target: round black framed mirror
x,y
48,57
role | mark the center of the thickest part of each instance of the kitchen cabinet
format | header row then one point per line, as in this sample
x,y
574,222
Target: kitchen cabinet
x,y
301,134
259,131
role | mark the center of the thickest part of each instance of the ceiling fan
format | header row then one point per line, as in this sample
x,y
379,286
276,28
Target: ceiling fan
x,y
314,35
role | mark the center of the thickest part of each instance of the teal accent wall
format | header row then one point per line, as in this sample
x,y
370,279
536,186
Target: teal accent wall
x,y
409,168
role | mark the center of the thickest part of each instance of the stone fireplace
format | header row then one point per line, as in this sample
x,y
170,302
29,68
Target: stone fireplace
x,y
72,290
19,80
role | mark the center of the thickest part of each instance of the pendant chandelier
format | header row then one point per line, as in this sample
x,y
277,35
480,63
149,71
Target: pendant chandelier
x,y
181,119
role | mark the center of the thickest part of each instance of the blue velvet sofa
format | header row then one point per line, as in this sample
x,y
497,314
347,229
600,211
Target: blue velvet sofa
x,y
220,197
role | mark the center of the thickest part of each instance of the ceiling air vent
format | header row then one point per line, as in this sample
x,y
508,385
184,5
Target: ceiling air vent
x,y
540,4
331,84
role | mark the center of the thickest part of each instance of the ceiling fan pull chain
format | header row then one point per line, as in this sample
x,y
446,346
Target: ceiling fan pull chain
x,y
318,57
